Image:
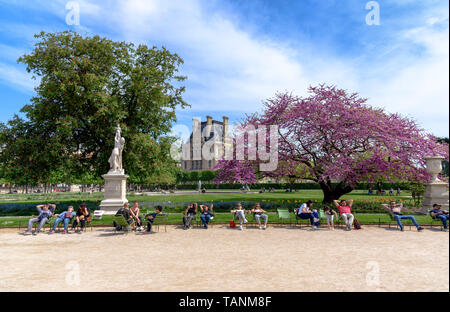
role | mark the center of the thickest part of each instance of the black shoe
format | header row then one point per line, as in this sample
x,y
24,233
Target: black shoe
x,y
402,229
419,228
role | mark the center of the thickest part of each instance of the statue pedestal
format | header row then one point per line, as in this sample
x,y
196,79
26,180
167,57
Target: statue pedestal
x,y
435,193
115,192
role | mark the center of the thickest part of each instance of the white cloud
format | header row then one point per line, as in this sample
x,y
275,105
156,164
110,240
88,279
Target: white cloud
x,y
231,69
420,86
16,78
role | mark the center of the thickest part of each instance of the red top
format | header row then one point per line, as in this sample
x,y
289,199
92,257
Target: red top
x,y
344,209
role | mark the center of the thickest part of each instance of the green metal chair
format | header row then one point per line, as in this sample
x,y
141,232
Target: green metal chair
x,y
120,221
160,220
284,215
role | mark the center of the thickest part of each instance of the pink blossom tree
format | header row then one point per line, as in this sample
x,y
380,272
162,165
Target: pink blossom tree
x,y
335,139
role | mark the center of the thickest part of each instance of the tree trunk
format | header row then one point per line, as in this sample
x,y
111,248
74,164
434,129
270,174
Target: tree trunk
x,y
333,192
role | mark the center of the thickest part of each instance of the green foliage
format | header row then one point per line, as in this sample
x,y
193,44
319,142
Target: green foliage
x,y
88,85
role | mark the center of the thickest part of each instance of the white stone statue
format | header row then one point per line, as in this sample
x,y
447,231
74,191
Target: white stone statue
x,y
115,160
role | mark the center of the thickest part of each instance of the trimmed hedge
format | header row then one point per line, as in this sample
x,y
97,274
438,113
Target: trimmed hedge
x,y
359,206
298,186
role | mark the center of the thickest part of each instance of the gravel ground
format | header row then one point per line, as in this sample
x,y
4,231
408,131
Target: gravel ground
x,y
222,259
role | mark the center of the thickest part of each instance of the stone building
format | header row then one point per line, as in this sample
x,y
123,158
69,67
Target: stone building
x,y
209,135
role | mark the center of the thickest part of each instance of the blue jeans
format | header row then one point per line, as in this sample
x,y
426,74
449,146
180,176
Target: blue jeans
x,y
311,216
205,219
444,219
398,218
57,221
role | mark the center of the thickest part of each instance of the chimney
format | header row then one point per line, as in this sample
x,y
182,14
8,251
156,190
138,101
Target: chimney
x,y
225,125
207,131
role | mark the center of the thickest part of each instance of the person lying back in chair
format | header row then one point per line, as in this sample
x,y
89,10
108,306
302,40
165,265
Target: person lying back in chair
x,y
395,210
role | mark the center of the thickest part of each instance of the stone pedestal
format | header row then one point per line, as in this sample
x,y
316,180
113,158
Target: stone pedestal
x,y
115,192
436,190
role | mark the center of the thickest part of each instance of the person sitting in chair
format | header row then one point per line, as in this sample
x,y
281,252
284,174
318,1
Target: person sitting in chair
x,y
151,218
259,214
395,210
134,212
240,214
305,212
125,212
207,214
65,217
83,215
345,211
441,214
189,215
45,213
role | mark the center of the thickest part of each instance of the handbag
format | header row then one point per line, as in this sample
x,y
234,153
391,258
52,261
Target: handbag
x,y
232,224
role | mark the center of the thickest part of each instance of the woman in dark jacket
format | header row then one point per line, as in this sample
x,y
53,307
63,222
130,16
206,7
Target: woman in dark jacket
x,y
83,215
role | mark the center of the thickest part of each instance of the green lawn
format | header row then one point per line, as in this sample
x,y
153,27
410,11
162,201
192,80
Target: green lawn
x,y
186,196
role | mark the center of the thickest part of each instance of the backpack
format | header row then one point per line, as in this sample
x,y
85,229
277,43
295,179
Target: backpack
x,y
356,224
232,224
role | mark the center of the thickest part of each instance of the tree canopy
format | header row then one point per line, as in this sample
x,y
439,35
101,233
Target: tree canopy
x,y
89,85
335,139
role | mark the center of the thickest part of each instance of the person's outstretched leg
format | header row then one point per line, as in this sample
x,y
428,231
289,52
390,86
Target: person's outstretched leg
x,y
203,218
414,221
399,221
315,218
258,220
41,224
66,224
444,220
55,224
30,224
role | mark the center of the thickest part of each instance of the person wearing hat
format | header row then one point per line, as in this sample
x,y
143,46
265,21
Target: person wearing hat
x,y
441,214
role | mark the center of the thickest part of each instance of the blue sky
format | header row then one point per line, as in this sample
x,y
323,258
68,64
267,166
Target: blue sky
x,y
239,52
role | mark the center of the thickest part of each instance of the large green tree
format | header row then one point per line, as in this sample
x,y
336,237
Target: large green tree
x,y
87,86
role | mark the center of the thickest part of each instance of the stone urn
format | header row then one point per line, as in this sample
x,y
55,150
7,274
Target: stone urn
x,y
436,190
434,166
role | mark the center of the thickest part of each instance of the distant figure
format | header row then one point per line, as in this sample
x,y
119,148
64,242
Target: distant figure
x,y
398,191
370,191
391,192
